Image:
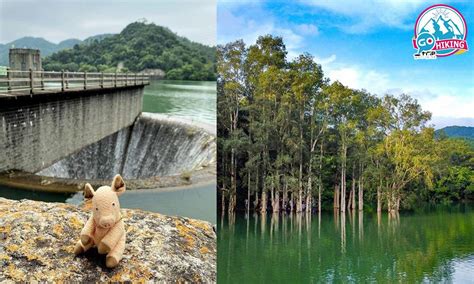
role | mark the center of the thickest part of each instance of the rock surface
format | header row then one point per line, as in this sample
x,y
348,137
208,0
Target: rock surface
x,y
37,242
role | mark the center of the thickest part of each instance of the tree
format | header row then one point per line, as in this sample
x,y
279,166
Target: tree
x,y
284,129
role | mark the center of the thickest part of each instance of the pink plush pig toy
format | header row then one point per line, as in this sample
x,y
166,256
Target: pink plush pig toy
x,y
105,228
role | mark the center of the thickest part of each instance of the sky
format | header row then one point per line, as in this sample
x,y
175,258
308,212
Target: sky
x,y
57,20
364,45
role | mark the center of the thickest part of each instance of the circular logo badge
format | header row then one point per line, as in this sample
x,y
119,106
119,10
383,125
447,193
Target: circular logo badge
x,y
440,30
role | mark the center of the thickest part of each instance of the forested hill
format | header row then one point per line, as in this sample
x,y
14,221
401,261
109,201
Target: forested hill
x,y
457,131
138,47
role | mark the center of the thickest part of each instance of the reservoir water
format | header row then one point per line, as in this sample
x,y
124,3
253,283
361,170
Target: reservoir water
x,y
187,99
434,245
191,100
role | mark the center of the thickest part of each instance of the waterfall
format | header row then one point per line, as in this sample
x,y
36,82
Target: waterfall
x,y
156,145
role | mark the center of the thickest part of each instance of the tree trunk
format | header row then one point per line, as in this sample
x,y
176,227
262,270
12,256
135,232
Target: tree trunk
x,y
343,179
387,195
343,192
272,197
336,196
263,208
320,185
256,202
256,190
353,203
276,204
299,207
292,202
319,196
361,194
248,194
308,203
233,182
398,203
223,202
232,203
349,202
309,190
379,197
299,204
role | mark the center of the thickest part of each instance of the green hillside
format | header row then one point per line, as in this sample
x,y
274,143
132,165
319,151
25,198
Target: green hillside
x,y
458,131
138,47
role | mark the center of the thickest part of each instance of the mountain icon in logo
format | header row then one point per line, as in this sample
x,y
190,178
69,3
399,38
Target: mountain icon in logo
x,y
442,29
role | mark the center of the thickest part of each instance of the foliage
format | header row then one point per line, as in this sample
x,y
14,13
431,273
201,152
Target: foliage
x,y
290,140
138,47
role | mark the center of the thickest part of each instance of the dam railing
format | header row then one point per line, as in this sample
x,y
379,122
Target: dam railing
x,y
31,82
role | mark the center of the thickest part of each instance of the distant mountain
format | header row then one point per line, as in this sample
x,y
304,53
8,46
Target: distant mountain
x,y
46,47
68,43
139,47
466,132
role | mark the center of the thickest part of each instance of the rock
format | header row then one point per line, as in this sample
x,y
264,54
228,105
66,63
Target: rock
x,y
37,241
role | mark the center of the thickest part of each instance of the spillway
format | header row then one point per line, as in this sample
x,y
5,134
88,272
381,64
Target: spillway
x,y
154,146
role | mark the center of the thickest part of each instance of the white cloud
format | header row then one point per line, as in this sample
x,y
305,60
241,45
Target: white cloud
x,y
325,60
358,78
232,27
446,107
449,105
369,14
442,121
308,29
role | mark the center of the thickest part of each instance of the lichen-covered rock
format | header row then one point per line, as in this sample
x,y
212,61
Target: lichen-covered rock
x,y
37,242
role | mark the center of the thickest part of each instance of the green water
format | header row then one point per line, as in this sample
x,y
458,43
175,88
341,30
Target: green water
x,y
435,245
192,100
187,99
197,202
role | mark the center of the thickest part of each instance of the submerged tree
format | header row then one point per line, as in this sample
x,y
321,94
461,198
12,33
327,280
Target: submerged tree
x,y
289,139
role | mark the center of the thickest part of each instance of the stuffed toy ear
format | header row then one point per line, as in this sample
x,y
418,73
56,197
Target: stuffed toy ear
x,y
88,191
118,185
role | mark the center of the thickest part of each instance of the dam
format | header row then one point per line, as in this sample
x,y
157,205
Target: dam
x,y
179,116
46,116
154,145
166,159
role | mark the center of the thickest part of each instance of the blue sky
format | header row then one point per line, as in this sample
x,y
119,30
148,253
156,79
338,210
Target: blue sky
x,y
364,44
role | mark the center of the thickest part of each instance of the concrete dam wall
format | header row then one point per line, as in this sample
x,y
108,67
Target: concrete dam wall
x,y
154,146
37,131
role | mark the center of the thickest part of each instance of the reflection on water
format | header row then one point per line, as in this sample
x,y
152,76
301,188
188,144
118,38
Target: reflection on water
x,y
18,194
196,202
188,99
436,245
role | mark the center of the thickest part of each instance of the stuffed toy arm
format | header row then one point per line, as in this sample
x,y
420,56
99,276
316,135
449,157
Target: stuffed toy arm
x,y
112,238
88,231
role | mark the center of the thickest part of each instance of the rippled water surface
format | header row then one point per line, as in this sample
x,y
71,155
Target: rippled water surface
x,y
188,99
432,245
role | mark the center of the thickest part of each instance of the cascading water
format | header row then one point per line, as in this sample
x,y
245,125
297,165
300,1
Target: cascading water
x,y
155,146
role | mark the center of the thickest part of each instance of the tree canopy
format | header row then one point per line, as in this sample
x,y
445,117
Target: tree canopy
x,y
138,47
291,140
